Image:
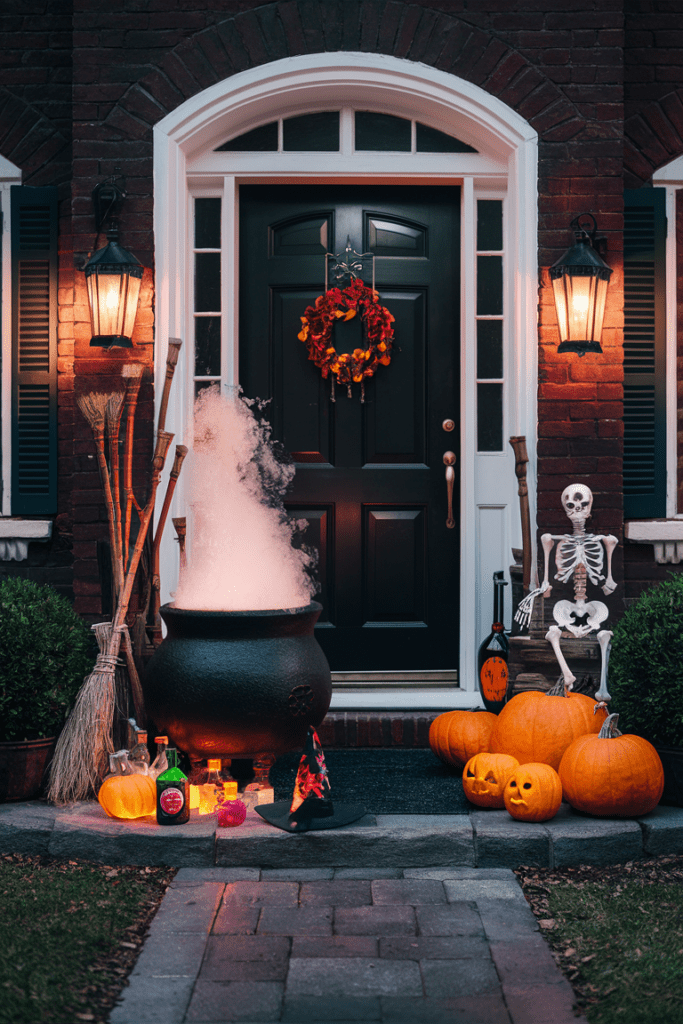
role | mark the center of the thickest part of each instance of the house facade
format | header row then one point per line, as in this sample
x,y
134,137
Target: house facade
x,y
455,141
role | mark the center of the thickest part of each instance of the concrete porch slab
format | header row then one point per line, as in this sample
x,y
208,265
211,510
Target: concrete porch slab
x,y
480,839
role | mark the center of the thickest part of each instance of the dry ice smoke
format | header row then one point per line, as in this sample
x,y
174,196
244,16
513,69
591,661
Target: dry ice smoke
x,y
241,556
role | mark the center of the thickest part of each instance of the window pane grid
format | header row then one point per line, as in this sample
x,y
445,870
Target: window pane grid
x,y
207,313
321,131
489,325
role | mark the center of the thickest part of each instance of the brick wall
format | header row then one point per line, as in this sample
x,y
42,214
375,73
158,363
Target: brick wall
x,y
133,62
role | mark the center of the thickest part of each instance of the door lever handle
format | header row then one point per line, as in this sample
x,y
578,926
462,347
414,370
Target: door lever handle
x,y
449,462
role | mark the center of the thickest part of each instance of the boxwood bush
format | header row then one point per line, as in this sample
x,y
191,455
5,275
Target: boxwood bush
x,y
45,652
646,665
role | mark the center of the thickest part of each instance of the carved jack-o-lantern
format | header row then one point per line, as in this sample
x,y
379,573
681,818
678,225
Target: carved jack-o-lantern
x,y
485,776
533,793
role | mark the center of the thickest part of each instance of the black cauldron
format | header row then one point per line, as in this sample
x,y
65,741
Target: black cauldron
x,y
238,684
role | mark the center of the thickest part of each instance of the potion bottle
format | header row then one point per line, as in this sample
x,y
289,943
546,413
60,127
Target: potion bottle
x,y
138,758
160,762
492,660
173,803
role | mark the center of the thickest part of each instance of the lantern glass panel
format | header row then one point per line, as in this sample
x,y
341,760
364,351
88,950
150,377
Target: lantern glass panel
x,y
113,299
599,315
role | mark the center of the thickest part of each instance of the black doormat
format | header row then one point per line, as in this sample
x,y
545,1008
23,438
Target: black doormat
x,y
385,781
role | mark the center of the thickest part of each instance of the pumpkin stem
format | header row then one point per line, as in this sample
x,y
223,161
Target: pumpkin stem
x,y
560,689
609,728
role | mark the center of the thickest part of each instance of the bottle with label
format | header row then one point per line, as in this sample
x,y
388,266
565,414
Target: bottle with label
x,y
492,660
160,763
173,804
139,756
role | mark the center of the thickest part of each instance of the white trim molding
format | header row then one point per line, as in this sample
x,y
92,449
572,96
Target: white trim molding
x,y
504,166
9,175
17,534
666,536
670,177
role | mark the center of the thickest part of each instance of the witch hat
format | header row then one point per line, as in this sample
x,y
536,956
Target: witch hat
x,y
311,806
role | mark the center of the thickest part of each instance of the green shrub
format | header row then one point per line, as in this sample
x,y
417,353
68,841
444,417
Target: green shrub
x,y
646,665
45,651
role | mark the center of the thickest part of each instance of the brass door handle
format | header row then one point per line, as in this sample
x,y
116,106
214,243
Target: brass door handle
x,y
449,462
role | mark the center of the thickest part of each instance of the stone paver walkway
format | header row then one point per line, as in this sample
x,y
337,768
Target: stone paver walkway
x,y
308,946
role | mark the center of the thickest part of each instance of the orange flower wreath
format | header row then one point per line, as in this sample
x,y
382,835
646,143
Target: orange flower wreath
x,y
316,332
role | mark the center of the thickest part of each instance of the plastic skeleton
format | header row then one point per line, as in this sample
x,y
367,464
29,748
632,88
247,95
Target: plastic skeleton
x,y
579,555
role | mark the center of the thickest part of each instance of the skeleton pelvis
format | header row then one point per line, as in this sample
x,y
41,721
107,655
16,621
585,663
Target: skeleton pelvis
x,y
580,617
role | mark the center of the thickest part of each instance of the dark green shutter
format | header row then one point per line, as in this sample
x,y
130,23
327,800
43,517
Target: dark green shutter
x,y
644,353
34,350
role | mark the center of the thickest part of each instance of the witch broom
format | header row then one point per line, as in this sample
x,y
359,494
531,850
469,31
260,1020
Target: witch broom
x,y
86,741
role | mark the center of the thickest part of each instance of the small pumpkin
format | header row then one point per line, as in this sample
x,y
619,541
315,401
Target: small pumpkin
x,y
456,736
533,793
612,775
484,778
537,726
128,796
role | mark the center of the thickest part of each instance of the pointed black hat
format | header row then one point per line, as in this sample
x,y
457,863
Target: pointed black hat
x,y
311,806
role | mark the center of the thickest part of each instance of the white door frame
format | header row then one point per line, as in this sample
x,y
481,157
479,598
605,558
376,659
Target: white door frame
x,y
505,165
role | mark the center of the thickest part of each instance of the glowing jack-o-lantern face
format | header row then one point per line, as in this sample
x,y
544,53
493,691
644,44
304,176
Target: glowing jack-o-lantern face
x,y
485,776
533,793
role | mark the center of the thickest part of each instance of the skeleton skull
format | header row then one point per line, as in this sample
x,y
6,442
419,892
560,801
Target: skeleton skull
x,y
577,501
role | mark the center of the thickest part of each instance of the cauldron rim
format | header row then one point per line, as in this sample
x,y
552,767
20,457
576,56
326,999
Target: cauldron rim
x,y
212,613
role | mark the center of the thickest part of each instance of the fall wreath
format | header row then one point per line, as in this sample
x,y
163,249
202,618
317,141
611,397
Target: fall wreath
x,y
316,333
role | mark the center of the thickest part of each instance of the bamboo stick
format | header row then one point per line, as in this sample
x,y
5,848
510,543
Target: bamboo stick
x,y
113,412
174,346
521,460
180,527
132,376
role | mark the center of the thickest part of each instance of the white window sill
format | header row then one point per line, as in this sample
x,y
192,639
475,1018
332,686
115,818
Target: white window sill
x,y
17,534
666,535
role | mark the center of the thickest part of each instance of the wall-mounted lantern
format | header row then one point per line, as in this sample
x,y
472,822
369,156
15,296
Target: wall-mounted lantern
x,y
112,274
580,280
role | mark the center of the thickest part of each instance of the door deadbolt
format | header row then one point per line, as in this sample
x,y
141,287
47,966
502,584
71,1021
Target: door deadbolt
x,y
448,425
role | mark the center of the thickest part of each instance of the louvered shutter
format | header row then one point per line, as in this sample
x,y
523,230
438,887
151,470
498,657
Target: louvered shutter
x,y
34,350
644,353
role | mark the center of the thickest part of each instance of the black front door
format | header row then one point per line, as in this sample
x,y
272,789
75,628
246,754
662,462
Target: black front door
x,y
370,478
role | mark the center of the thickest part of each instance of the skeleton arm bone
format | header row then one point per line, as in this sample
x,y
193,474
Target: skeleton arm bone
x,y
548,542
610,543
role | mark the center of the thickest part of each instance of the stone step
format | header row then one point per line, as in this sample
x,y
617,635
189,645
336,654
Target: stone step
x,y
478,839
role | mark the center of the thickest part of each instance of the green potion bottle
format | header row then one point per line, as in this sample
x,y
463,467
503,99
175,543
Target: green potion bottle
x,y
173,793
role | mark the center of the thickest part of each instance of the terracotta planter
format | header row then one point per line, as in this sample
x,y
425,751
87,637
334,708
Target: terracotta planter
x,y
23,768
238,684
672,760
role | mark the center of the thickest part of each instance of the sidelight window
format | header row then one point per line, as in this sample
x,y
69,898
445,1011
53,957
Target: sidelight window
x,y
489,318
207,292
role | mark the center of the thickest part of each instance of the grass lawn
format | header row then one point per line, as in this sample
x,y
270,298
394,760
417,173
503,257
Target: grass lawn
x,y
617,934
72,932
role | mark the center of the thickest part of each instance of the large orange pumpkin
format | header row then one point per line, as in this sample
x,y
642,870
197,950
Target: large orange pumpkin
x,y
128,796
484,778
612,775
456,736
538,727
533,793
